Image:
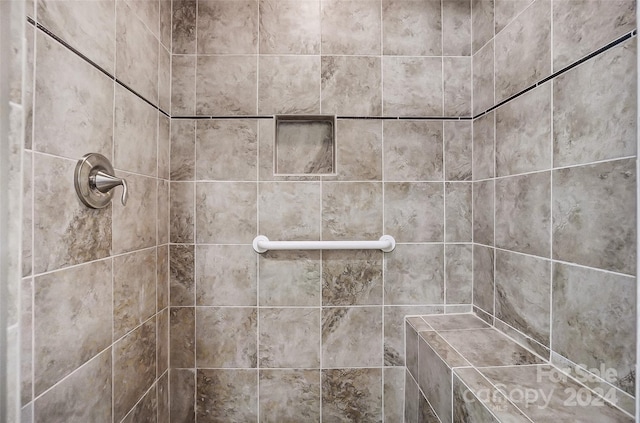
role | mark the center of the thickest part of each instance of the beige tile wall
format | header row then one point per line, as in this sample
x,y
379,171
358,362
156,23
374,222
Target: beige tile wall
x,y
288,334
95,321
554,181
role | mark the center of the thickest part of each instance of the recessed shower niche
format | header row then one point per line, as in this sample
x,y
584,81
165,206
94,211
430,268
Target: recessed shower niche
x,y
305,145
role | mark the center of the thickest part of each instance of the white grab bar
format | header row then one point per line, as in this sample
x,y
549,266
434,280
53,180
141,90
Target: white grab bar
x,y
262,244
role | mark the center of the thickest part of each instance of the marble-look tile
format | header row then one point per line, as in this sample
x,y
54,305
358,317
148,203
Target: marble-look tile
x,y
457,86
458,308
135,134
351,85
456,27
507,10
162,342
414,274
227,395
27,213
87,26
489,318
280,93
523,50
71,307
488,347
134,367
134,225
226,85
182,341
458,268
394,331
182,393
146,411
289,27
304,147
289,338
289,210
455,322
226,212
483,212
288,396
163,211
227,27
412,397
351,210
352,395
26,414
476,399
483,77
290,278
483,278
181,275
412,28
434,377
13,373
164,79
352,277
26,341
183,82
183,30
28,84
484,147
164,413
352,337
556,403
583,26
523,133
426,414
136,54
216,348
16,36
457,150
226,150
165,24
226,275
73,108
459,201
523,214
134,290
85,396
593,215
412,86
162,278
358,151
414,212
594,108
482,23
412,346
413,150
351,27
181,212
527,310
164,145
393,394
182,149
593,320
148,11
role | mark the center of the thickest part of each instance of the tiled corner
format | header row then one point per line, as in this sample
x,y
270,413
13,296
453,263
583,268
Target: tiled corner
x,y
146,410
507,10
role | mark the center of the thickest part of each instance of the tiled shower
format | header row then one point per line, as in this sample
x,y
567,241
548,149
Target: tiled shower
x,y
494,139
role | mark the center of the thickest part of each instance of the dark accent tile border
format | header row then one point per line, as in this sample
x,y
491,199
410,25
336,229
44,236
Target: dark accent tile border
x,y
567,68
94,64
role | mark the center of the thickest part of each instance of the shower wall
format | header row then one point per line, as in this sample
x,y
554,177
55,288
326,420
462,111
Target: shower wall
x,y
554,191
299,336
94,315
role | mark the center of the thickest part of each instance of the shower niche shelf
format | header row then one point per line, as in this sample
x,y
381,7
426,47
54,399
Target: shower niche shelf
x,y
305,145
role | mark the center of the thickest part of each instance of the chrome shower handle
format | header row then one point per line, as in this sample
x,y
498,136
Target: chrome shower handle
x,y
105,183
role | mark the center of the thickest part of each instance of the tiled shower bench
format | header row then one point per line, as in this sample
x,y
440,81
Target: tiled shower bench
x,y
460,369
